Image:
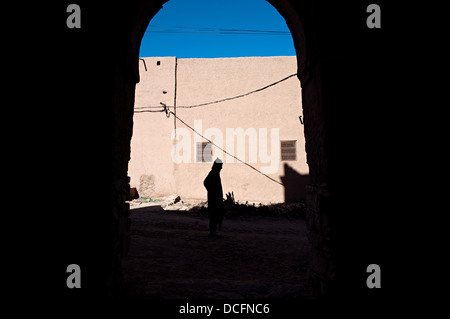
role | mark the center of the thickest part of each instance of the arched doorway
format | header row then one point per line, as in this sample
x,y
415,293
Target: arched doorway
x,y
348,71
177,78
309,75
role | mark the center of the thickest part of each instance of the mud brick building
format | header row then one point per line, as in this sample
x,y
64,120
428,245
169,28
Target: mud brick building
x,y
238,103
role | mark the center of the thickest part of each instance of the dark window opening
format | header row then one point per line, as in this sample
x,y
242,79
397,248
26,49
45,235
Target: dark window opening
x,y
204,152
288,150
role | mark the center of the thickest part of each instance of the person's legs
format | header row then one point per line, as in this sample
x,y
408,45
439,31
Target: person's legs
x,y
212,222
220,219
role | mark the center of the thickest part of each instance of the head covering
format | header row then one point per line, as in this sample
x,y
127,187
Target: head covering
x,y
217,164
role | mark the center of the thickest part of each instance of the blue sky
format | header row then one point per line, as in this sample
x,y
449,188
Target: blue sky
x,y
195,29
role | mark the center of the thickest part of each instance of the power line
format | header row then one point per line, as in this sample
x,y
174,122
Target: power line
x,y
216,29
222,100
252,167
168,112
205,30
215,32
150,111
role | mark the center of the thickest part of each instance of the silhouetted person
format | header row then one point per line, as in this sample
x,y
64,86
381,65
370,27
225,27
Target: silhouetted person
x,y
213,185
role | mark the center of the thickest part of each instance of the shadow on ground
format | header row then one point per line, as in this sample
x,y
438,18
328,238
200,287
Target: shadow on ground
x,y
255,256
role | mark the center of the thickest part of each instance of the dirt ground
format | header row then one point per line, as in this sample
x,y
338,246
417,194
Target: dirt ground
x,y
172,257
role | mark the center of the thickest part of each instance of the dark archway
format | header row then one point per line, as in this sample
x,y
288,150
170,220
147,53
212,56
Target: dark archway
x,y
347,71
309,76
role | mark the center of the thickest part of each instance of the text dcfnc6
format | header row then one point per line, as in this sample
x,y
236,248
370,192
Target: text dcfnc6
x,y
245,308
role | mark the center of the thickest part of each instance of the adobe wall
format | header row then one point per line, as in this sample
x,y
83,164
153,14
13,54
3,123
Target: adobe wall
x,y
151,131
204,80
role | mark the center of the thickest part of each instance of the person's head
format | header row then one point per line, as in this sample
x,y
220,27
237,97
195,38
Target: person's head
x,y
217,164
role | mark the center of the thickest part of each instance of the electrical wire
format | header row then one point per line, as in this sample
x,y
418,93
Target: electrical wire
x,y
221,100
238,159
144,109
200,30
214,32
150,111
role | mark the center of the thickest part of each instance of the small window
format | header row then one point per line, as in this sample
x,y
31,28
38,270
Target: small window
x,y
288,150
204,152
158,62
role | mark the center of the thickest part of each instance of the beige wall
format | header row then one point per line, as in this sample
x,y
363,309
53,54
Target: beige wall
x,y
195,81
